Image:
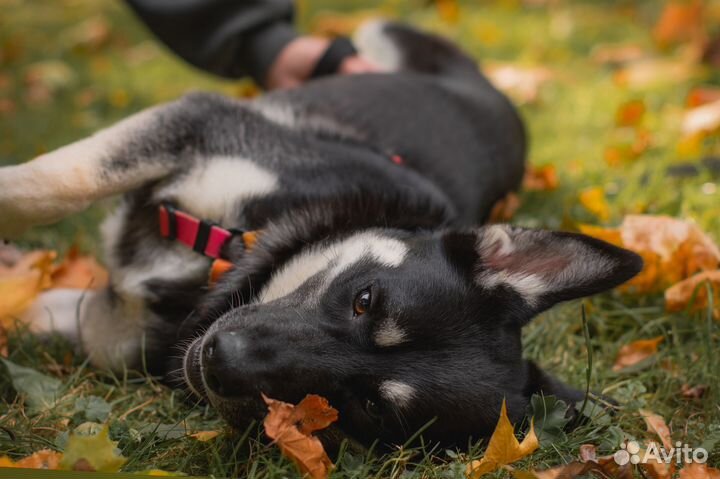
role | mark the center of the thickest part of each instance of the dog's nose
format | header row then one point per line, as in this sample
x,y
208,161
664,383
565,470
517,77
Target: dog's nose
x,y
222,357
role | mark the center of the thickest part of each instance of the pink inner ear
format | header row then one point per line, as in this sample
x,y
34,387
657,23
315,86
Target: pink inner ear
x,y
533,261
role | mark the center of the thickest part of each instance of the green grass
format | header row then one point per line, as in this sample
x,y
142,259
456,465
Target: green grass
x,y
570,126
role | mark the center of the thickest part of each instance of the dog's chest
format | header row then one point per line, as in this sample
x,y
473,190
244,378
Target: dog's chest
x,y
216,188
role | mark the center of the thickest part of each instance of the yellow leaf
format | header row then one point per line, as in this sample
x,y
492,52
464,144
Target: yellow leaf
x,y
637,351
158,473
540,178
593,199
90,445
21,283
503,447
205,436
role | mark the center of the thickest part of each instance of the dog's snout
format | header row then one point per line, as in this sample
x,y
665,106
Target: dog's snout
x,y
223,355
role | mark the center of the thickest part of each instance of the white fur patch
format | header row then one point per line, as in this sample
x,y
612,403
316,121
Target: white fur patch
x,y
212,189
397,392
389,334
337,257
372,42
57,311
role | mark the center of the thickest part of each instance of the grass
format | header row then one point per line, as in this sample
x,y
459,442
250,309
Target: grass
x,y
571,125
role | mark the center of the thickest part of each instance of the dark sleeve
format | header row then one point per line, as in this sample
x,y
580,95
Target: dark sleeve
x,y
231,38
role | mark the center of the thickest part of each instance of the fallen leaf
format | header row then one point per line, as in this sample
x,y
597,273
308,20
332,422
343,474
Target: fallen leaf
x,y
678,296
89,446
3,342
79,272
503,447
43,459
21,283
702,96
205,436
654,467
696,470
653,71
448,10
617,54
656,424
91,34
702,119
158,473
672,249
589,464
521,83
290,427
637,351
504,209
540,178
694,392
40,391
593,199
630,113
680,21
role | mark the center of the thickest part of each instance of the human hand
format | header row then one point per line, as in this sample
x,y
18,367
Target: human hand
x,y
296,62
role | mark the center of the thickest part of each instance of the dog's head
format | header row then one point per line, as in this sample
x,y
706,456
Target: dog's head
x,y
398,329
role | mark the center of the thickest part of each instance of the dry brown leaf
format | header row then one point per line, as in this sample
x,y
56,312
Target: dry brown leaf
x,y
604,466
504,209
694,392
503,447
656,424
637,351
672,249
540,178
699,471
702,119
79,272
680,21
523,84
21,283
654,467
678,296
290,427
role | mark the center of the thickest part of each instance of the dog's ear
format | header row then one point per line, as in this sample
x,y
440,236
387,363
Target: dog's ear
x,y
542,267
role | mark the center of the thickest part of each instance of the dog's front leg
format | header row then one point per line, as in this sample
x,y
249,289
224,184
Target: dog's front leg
x,y
142,148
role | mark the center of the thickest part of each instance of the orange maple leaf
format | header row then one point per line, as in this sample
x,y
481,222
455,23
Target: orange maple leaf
x,y
291,428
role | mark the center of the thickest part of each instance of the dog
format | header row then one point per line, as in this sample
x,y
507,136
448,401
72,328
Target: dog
x,y
348,210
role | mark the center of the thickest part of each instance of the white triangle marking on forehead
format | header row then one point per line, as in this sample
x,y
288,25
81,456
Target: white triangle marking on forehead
x,y
339,256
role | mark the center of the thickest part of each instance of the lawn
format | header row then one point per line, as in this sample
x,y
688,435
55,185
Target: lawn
x,y
70,67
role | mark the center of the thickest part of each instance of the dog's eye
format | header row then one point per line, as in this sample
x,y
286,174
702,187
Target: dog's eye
x,y
362,302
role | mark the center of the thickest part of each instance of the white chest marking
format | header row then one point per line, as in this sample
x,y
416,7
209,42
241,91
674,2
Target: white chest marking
x,y
212,189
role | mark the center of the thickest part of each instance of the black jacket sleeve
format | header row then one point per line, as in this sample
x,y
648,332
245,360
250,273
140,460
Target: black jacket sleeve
x,y
231,38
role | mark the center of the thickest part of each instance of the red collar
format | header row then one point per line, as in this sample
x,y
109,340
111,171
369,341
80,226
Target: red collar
x,y
199,235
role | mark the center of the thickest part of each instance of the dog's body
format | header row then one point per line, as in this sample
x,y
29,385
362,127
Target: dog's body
x,y
366,285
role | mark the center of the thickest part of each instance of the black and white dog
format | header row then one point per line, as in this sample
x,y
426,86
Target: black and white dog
x,y
367,281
